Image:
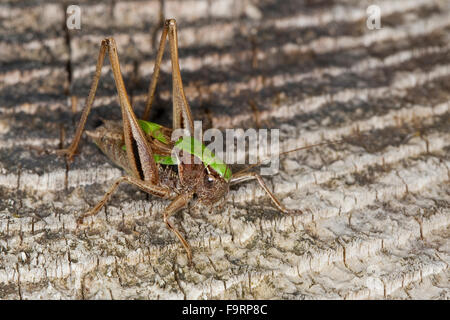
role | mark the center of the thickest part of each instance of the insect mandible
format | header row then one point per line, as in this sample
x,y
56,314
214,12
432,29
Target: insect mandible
x,y
143,148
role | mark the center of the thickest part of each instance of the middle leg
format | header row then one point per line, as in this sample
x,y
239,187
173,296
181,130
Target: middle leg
x,y
143,185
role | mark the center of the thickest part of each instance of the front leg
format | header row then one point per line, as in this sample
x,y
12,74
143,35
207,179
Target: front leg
x,y
143,185
177,204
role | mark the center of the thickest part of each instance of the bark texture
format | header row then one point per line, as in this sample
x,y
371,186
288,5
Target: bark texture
x,y
376,208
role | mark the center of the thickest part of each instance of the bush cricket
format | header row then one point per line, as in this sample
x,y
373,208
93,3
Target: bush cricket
x,y
143,148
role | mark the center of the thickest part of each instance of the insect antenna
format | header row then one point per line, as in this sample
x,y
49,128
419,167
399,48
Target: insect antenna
x,y
417,133
261,162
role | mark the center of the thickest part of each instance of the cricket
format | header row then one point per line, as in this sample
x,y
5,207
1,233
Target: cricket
x,y
143,149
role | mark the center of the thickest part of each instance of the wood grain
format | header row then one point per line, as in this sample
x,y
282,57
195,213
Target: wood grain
x,y
376,222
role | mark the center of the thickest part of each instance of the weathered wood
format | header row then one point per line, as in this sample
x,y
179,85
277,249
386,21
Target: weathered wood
x,y
376,209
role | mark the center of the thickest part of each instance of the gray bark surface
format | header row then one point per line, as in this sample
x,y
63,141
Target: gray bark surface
x,y
376,208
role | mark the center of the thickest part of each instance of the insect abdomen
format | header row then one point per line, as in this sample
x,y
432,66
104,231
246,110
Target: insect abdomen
x,y
110,140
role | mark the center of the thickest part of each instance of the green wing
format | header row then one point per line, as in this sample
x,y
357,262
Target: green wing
x,y
188,144
198,149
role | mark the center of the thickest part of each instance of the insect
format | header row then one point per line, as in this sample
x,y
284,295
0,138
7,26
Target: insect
x,y
143,148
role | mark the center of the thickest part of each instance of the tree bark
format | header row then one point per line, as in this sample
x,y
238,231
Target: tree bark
x,y
376,208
